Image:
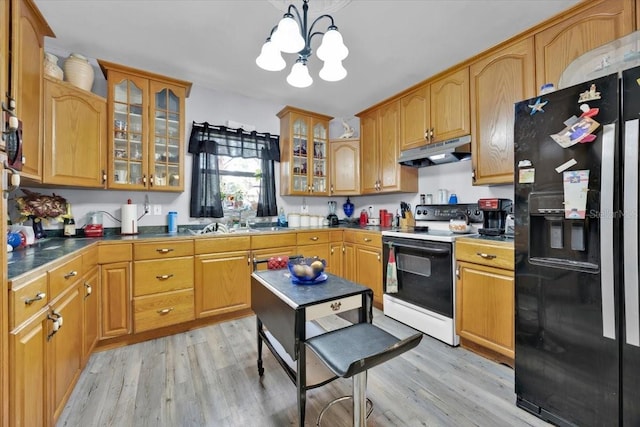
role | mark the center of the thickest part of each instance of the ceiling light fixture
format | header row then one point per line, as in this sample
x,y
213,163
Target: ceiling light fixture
x,y
293,35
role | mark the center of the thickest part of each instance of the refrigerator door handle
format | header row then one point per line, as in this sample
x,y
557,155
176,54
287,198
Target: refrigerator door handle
x,y
606,232
630,237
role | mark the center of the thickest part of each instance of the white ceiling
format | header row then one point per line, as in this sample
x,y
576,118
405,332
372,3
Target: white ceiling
x,y
214,43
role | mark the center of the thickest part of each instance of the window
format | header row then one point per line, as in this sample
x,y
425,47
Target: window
x,y
232,169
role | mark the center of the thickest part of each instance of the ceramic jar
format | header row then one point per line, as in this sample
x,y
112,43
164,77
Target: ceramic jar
x,y
51,68
78,71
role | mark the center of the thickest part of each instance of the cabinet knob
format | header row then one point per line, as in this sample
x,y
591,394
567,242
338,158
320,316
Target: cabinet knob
x,y
165,310
366,239
164,277
88,288
335,306
164,250
72,273
314,238
151,180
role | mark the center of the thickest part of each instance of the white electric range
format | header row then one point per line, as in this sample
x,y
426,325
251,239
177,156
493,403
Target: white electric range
x,y
425,265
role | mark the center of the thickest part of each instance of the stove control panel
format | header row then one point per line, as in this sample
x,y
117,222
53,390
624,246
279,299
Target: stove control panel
x,y
448,212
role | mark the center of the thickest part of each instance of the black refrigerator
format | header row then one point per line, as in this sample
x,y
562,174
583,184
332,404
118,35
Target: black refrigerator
x,y
577,321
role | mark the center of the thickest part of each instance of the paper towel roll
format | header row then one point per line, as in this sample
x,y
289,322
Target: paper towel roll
x,y
129,219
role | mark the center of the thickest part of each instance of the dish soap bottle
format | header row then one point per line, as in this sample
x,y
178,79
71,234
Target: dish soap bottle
x,y
69,228
282,218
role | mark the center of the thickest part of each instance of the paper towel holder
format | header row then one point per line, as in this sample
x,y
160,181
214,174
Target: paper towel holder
x,y
129,219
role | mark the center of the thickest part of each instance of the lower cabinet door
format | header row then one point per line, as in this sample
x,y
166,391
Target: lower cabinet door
x,y
115,290
27,376
66,348
369,270
222,283
90,312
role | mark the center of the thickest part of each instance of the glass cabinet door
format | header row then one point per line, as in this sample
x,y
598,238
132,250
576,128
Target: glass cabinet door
x,y
300,163
320,150
129,145
165,150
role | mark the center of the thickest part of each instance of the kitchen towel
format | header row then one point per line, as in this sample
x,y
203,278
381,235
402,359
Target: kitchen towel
x,y
392,273
129,219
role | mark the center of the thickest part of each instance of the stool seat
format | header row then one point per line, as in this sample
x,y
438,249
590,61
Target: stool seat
x,y
351,351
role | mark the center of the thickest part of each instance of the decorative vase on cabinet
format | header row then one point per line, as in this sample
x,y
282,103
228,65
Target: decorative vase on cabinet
x,y
51,67
78,71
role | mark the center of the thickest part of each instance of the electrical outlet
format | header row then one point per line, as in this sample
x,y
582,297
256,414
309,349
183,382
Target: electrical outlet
x,y
157,209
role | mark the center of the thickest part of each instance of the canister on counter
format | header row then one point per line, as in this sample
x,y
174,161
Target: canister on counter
x,y
422,199
172,220
429,199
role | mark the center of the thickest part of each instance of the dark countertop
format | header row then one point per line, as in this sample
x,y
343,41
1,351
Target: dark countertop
x,y
51,249
303,295
502,238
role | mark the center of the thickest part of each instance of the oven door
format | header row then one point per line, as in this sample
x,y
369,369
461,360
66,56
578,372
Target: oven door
x,y
425,273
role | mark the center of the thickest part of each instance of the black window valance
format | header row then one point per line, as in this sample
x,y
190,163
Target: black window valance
x,y
224,141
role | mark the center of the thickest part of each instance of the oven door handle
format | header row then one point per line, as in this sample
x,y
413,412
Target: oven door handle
x,y
422,248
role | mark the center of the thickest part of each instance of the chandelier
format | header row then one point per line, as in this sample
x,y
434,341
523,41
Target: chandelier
x,y
294,35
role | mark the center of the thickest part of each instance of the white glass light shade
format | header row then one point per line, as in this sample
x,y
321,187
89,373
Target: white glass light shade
x,y
332,47
299,76
270,58
332,71
287,36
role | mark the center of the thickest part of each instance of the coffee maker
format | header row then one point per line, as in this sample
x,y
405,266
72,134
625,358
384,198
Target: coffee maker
x,y
494,213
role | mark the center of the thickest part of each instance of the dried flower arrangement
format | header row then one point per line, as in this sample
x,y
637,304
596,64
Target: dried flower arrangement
x,y
35,205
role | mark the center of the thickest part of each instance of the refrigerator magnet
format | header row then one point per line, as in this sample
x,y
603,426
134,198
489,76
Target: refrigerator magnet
x,y
537,106
576,186
575,131
588,112
589,95
526,176
566,165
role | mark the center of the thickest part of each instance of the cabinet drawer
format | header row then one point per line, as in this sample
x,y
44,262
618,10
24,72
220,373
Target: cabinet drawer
x,y
368,238
222,244
110,253
162,275
157,311
275,240
312,237
25,301
60,278
159,250
333,307
494,255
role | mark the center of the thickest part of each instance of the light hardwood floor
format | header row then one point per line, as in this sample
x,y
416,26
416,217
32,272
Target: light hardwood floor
x,y
208,377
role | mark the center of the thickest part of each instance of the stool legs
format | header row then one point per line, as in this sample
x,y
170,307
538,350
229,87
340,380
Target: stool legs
x,y
360,399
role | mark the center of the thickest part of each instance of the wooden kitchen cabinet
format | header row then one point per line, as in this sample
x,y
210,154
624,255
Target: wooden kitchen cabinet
x,y
485,298
28,30
222,275
597,23
74,123
115,289
315,243
28,310
336,252
146,127
163,285
363,261
304,152
437,110
344,157
498,80
379,151
65,361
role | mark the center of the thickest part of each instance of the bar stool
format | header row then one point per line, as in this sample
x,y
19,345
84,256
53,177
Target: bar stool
x,y
351,351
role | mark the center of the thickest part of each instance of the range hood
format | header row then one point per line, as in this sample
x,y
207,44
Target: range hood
x,y
452,150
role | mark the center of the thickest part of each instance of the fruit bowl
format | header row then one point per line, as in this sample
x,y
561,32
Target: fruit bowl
x,y
307,270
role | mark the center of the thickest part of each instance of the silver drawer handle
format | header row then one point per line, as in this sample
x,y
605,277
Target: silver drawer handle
x,y
336,306
366,239
72,273
39,296
164,250
165,310
314,238
485,256
88,288
164,277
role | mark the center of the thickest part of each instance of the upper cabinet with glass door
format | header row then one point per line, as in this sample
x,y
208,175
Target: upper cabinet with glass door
x,y
147,114
304,150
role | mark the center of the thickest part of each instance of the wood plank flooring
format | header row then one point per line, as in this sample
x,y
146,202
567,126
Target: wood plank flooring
x,y
208,377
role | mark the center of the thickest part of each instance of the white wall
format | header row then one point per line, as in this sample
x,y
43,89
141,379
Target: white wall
x,y
216,107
